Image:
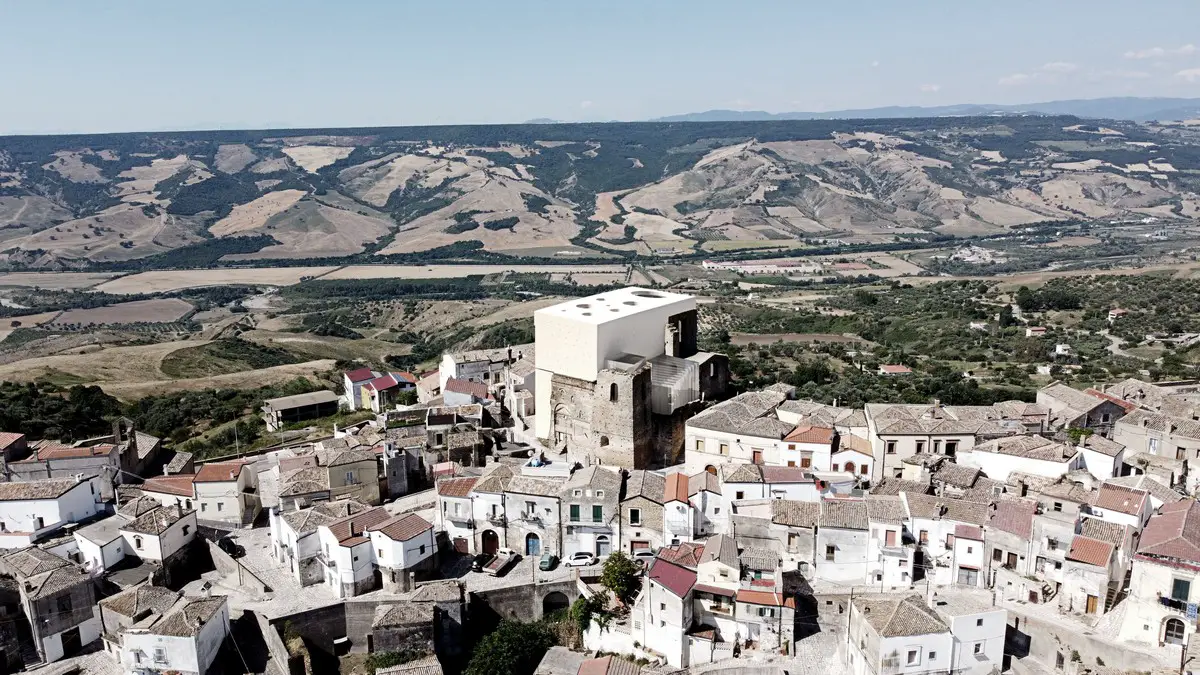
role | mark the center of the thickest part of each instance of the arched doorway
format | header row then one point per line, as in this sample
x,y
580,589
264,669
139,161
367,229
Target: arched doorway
x,y
533,544
603,545
1174,632
849,467
711,469
490,541
555,602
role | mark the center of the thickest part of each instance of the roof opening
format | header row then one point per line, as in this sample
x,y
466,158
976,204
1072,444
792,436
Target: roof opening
x,y
647,294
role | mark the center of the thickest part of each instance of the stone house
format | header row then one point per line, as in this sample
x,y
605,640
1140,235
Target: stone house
x,y
487,508
347,555
532,507
403,547
642,511
294,539
810,447
765,619
1036,455
933,521
1072,408
58,599
663,611
185,639
890,563
32,511
794,524
590,500
455,512
1121,505
842,541
1150,434
742,430
1165,581
889,634
899,431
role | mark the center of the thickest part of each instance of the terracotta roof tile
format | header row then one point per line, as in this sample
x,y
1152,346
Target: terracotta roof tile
x,y
456,487
676,488
402,528
1090,551
1174,532
52,488
676,579
475,389
1014,516
686,554
807,433
219,472
760,598
349,530
180,485
1129,501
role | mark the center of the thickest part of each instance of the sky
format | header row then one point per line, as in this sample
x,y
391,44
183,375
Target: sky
x,y
137,65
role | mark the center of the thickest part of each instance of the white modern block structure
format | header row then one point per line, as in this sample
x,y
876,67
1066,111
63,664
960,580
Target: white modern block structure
x,y
605,363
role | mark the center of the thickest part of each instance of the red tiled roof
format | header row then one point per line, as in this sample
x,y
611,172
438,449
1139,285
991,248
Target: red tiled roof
x,y
403,528
676,488
360,375
716,590
1122,499
217,472
406,377
477,389
676,579
349,530
1174,532
895,369
762,598
381,383
807,433
1090,551
968,532
60,451
8,438
180,484
1014,516
456,487
1125,405
786,474
608,665
686,554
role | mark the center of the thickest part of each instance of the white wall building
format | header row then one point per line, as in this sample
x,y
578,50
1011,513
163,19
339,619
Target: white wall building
x,y
186,639
30,511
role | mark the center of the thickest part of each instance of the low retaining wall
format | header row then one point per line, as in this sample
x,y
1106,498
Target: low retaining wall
x,y
235,570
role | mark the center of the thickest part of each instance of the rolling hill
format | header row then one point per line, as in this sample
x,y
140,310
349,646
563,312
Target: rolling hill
x,y
538,191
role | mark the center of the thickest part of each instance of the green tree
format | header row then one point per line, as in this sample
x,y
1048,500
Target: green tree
x,y
514,648
622,576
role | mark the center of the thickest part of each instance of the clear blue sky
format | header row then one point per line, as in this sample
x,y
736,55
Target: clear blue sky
x,y
135,65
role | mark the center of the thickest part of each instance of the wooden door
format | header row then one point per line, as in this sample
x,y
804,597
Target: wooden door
x,y
1092,601
757,457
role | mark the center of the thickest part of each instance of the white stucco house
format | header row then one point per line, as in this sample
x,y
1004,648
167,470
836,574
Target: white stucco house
x,y
33,510
186,639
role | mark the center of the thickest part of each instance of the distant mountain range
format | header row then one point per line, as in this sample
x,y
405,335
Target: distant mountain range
x,y
1135,109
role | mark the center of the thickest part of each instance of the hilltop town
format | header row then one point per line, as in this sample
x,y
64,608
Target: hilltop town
x,y
605,481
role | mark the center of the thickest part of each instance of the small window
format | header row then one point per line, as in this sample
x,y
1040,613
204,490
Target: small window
x,y
355,558
577,493
978,647
741,495
612,392
379,552
1057,507
635,516
837,467
574,513
599,494
933,656
829,552
978,622
914,657
662,606
220,506
699,445
137,543
920,447
924,536
349,477
203,506
891,447
724,448
422,550
597,514
970,549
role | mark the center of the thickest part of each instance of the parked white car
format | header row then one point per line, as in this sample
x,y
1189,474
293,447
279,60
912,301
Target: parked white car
x,y
581,559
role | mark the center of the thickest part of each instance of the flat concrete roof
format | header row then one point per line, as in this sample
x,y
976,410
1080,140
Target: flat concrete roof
x,y
300,400
613,305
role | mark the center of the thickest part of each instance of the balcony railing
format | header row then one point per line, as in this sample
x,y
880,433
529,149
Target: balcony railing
x,y
1180,606
497,519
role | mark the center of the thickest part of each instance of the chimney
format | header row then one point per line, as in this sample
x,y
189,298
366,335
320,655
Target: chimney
x,y
941,507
